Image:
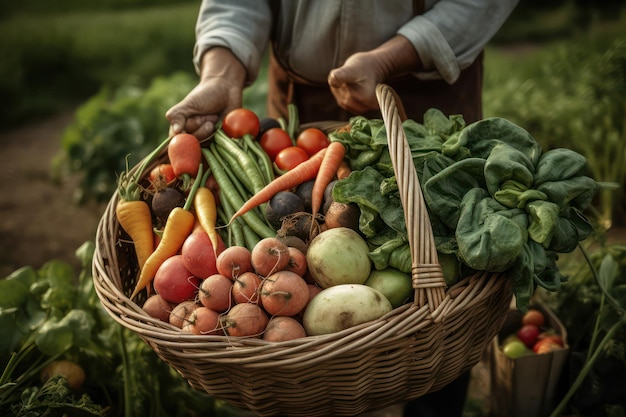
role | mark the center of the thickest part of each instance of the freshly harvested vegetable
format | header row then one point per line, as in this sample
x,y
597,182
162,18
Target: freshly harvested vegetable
x,y
174,282
335,152
289,158
297,261
245,320
281,205
245,288
306,171
342,215
203,321
243,160
283,328
343,306
185,155
234,261
275,140
135,218
240,122
496,201
158,307
178,226
312,140
164,201
284,293
206,211
181,311
304,191
269,256
199,255
162,175
397,286
338,256
215,292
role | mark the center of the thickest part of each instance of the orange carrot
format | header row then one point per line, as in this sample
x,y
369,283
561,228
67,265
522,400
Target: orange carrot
x,y
135,217
178,226
344,170
335,153
303,172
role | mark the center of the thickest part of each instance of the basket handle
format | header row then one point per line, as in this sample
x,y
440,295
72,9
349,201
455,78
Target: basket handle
x,y
427,275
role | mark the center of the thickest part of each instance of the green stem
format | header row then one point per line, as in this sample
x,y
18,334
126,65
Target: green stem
x,y
125,374
194,188
586,369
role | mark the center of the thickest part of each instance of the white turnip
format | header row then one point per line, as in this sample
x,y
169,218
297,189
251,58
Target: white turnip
x,y
338,256
343,306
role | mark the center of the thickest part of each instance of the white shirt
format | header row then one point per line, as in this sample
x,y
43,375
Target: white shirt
x,y
314,36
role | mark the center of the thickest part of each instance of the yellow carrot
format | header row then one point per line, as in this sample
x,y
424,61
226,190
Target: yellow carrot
x,y
206,212
178,226
136,220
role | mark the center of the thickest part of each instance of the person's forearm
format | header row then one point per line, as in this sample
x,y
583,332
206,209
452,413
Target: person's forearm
x,y
219,62
396,57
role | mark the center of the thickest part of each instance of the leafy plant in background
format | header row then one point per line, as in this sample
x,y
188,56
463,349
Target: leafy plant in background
x,y
114,125
591,306
572,95
50,314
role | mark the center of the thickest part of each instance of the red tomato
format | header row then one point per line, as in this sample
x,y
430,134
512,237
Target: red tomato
x,y
239,122
312,140
275,140
535,317
546,346
528,334
290,157
162,173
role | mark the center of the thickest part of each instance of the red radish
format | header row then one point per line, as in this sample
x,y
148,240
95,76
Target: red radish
x,y
297,261
203,321
234,261
161,175
215,292
181,311
185,154
158,307
246,288
284,293
313,291
174,281
198,254
282,328
245,319
269,255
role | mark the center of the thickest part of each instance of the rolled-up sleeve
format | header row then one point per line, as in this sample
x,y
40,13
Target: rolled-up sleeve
x,y
243,26
449,36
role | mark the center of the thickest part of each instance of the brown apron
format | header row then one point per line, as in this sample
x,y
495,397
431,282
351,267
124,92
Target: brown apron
x,y
315,102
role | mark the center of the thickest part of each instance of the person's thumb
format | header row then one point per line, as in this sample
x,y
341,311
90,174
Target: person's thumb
x,y
338,77
176,119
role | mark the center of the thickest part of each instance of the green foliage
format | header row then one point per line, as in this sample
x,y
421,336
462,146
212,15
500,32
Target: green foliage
x,y
51,313
53,60
117,126
571,95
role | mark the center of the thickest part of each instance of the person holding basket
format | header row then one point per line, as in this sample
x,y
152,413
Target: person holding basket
x,y
327,57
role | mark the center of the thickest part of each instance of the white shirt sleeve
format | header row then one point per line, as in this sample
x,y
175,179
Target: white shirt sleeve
x,y
449,36
243,26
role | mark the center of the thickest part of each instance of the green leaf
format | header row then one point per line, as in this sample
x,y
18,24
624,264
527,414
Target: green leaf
x,y
54,338
607,272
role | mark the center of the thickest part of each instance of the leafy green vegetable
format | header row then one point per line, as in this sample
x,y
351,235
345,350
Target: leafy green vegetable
x,y
495,201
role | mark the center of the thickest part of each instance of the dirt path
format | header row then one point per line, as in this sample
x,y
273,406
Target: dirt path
x,y
38,220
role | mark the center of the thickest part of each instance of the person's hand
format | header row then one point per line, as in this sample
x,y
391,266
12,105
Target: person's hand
x,y
219,91
354,83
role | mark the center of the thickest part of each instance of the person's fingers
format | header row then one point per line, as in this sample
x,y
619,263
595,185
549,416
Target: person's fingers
x,y
176,119
334,78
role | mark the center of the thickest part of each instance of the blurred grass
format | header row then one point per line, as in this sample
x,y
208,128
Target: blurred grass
x,y
51,61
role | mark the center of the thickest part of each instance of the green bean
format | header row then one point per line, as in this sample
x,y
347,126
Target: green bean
x,y
244,161
229,192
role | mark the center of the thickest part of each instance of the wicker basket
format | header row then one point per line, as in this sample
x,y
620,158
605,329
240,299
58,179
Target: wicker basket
x,y
415,349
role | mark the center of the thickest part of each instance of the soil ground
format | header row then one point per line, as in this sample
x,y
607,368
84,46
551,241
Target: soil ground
x,y
38,219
